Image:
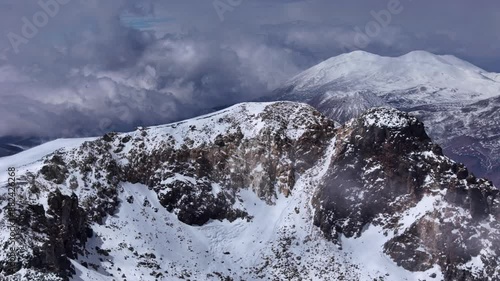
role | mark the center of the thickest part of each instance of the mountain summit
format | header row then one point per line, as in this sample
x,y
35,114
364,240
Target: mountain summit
x,y
419,74
457,101
258,191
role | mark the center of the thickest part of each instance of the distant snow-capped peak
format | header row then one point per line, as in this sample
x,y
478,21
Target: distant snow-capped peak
x,y
446,77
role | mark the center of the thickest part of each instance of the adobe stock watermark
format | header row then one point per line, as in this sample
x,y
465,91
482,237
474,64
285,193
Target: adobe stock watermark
x,y
223,6
12,215
31,25
381,20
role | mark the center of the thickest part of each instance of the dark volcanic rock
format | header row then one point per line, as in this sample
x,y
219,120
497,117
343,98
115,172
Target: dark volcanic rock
x,y
62,232
384,164
374,164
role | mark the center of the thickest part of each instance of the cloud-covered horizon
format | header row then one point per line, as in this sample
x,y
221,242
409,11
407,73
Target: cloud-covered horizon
x,y
93,66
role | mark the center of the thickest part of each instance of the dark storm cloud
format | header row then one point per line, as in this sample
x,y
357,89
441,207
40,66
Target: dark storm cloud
x,y
87,68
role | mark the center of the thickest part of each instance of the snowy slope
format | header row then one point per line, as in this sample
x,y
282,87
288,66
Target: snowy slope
x,y
253,192
24,159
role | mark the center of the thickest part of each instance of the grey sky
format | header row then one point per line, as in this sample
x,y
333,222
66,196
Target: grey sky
x,y
92,66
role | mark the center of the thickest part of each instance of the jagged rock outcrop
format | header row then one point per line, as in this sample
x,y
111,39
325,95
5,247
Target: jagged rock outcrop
x,y
386,163
53,237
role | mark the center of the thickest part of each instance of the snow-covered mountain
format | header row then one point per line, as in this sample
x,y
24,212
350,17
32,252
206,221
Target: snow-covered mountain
x,y
456,100
419,75
258,191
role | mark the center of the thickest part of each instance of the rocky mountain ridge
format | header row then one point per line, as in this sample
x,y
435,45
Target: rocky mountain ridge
x,y
257,191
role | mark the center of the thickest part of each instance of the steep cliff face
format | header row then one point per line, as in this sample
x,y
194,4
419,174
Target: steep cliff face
x,y
385,165
256,191
49,236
